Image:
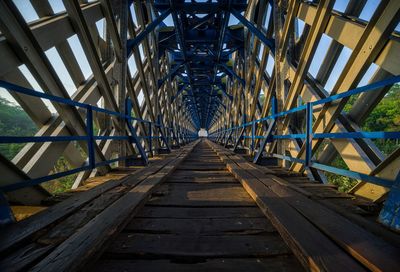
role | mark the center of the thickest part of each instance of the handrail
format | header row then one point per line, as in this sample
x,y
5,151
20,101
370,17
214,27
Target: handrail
x,y
309,135
90,138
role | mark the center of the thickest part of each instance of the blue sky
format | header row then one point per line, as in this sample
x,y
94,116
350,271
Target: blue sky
x,y
29,14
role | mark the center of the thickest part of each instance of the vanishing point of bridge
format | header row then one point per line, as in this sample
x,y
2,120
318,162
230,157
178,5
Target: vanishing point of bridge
x,y
214,135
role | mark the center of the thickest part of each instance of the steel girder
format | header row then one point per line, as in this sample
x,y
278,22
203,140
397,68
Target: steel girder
x,y
199,48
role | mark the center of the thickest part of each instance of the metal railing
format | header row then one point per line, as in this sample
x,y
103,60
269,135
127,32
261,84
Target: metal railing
x,y
164,133
309,135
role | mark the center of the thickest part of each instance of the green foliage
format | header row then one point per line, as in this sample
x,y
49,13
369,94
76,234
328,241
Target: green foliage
x,y
384,117
343,183
13,122
61,184
224,79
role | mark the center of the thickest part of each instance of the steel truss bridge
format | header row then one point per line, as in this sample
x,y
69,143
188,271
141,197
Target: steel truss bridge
x,y
118,91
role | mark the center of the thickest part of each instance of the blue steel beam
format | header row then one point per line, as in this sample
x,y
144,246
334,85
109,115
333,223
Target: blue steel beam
x,y
139,38
181,88
223,90
198,7
232,73
390,213
225,22
230,51
268,42
171,74
202,42
180,39
133,138
6,214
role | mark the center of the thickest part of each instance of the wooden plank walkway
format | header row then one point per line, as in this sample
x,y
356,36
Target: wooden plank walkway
x,y
321,238
65,236
200,208
200,219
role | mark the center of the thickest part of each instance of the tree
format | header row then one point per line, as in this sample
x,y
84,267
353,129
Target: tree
x,y
384,117
14,122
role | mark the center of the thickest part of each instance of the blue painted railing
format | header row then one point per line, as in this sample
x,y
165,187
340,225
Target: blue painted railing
x,y
90,138
309,135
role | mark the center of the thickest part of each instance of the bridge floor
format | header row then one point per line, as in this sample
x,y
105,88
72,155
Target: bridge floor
x,y
202,207
200,219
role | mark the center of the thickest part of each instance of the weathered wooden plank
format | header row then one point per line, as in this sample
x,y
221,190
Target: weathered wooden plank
x,y
24,257
313,184
193,233
22,212
367,248
78,249
196,159
281,263
200,212
194,179
36,250
313,249
64,229
166,245
351,213
201,195
202,166
201,174
203,226
23,229
328,193
13,234
69,226
203,155
61,231
200,153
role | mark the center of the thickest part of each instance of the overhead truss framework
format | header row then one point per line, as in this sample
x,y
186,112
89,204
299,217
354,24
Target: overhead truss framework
x,y
198,50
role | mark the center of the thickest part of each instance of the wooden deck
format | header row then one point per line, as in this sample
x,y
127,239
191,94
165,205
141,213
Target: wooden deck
x,y
200,219
201,208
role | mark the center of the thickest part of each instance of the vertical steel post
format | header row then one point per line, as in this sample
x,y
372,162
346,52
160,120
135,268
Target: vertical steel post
x,y
128,110
6,215
150,139
162,132
90,139
120,10
273,105
390,213
253,132
134,138
308,139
